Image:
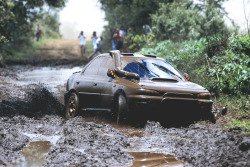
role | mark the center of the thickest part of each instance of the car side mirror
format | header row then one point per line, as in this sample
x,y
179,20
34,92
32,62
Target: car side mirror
x,y
187,76
111,73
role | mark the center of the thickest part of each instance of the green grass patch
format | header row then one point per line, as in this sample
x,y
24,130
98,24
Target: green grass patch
x,y
24,51
239,104
239,123
89,47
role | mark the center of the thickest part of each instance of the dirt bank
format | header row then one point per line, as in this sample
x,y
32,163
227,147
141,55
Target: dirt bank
x,y
54,53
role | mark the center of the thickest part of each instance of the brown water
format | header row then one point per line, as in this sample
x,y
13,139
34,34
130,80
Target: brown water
x,y
34,155
54,78
147,159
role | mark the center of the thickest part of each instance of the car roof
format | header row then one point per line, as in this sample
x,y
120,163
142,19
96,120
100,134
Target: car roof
x,y
133,55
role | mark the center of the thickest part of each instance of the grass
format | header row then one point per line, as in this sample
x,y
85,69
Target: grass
x,y
25,51
239,108
89,47
239,123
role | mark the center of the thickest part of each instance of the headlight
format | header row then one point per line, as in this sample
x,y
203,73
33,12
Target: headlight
x,y
148,92
204,96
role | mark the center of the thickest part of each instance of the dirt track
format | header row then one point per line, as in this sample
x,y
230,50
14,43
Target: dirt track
x,y
32,120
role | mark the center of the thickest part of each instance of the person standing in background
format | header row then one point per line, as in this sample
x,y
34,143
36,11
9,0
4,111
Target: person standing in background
x,y
94,37
82,43
113,40
98,48
118,36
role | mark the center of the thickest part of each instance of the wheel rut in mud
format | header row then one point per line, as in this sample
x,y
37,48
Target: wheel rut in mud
x,y
31,112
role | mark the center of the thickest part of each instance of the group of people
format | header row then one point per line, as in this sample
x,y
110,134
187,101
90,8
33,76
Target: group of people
x,y
97,43
118,36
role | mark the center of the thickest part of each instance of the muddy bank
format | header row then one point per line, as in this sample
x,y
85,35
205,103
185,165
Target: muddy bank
x,y
53,53
74,142
46,62
81,143
202,145
30,112
37,102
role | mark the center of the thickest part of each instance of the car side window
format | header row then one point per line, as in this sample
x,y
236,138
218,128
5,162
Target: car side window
x,y
107,62
92,69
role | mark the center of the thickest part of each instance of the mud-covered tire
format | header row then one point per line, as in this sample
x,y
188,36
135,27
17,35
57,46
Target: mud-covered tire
x,y
208,115
72,106
120,109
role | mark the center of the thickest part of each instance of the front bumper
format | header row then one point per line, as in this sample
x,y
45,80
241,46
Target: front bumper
x,y
153,103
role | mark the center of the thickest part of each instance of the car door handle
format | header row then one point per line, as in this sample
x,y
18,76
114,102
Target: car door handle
x,y
77,82
95,84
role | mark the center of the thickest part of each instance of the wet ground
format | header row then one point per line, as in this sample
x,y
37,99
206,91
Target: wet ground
x,y
34,132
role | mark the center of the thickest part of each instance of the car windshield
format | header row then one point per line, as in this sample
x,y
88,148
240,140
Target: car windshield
x,y
150,68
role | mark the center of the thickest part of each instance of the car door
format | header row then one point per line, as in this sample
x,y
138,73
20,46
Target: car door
x,y
105,83
86,85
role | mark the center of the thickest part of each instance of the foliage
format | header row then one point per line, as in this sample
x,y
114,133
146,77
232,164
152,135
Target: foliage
x,y
130,13
18,17
228,73
49,24
187,56
134,43
3,40
176,21
239,123
241,45
184,20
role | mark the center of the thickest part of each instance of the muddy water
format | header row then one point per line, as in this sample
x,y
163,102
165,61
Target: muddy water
x,y
34,154
54,78
144,154
147,159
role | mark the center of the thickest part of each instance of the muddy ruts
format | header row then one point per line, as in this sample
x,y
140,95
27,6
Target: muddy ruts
x,y
38,102
203,145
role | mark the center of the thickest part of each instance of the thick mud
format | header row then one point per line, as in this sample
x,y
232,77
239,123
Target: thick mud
x,y
32,111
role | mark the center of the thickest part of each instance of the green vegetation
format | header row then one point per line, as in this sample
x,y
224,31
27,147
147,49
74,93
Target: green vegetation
x,y
25,52
195,38
19,22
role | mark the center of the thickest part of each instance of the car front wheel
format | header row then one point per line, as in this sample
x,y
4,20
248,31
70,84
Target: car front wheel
x,y
122,109
72,106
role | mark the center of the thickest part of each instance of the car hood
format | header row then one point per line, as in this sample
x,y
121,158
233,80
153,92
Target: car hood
x,y
172,86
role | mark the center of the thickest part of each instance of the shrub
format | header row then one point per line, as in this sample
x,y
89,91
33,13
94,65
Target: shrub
x,y
228,72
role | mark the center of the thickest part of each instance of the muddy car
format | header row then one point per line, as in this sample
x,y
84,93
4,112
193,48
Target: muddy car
x,y
134,86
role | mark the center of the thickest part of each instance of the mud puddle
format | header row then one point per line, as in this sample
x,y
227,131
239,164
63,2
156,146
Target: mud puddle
x,y
147,159
34,154
146,154
53,77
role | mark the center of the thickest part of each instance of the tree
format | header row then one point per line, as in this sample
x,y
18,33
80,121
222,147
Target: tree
x,y
130,13
18,16
185,20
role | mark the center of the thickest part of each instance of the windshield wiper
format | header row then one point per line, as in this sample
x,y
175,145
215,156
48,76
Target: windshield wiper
x,y
145,68
166,70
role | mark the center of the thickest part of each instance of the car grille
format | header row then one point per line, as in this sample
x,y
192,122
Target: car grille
x,y
178,95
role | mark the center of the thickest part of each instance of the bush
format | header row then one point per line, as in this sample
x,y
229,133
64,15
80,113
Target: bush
x,y
228,72
134,43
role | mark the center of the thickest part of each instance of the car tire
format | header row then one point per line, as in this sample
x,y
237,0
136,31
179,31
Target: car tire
x,y
208,115
121,108
72,106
